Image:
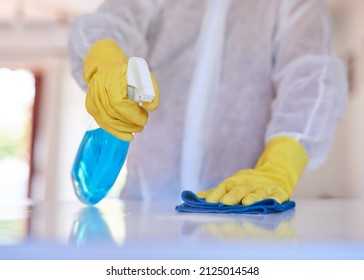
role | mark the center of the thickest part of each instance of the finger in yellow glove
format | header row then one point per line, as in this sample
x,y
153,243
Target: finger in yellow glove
x,y
105,73
275,175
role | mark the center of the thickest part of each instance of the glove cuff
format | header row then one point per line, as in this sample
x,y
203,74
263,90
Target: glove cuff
x,y
285,157
104,53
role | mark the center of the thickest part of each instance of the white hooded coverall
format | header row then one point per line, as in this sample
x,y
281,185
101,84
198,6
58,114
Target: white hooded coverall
x,y
232,75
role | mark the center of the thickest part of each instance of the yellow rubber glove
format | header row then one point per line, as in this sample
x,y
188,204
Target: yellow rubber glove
x,y
104,71
276,174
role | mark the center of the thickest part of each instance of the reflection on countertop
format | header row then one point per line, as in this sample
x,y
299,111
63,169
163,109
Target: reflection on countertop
x,y
115,222
136,224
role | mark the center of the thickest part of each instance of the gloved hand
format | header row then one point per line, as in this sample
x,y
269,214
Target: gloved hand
x,y
276,174
104,71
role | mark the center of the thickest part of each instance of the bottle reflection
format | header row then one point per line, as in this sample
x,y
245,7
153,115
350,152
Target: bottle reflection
x,y
102,225
267,227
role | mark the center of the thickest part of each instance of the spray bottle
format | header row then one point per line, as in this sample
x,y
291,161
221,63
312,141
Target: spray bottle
x,y
101,155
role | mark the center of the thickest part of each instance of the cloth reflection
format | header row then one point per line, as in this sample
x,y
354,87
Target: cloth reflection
x,y
274,226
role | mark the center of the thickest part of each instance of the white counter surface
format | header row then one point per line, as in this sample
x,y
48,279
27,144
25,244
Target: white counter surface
x,y
315,229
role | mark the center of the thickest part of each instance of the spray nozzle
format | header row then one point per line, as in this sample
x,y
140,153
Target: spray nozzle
x,y
140,85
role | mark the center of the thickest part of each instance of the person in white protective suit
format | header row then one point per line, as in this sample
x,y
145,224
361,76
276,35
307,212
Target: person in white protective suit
x,y
250,93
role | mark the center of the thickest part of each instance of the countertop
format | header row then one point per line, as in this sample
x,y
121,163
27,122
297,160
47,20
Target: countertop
x,y
115,229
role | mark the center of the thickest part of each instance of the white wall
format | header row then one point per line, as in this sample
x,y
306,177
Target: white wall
x,y
73,122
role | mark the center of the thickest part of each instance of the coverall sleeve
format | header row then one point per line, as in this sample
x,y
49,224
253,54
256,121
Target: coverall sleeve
x,y
131,23
310,82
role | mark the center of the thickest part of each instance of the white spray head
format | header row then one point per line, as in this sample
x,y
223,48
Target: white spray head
x,y
140,85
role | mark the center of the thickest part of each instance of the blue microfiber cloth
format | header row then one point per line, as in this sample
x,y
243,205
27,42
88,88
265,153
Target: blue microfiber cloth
x,y
194,204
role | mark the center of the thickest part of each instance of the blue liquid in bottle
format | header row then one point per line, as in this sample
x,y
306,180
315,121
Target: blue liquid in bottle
x,y
98,162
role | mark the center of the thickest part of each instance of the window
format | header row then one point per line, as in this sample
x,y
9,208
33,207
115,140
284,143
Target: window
x,y
17,93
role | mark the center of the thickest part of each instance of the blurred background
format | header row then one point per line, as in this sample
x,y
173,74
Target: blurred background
x,y
42,115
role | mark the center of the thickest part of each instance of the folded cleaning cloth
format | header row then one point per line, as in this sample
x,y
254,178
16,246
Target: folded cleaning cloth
x,y
194,204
